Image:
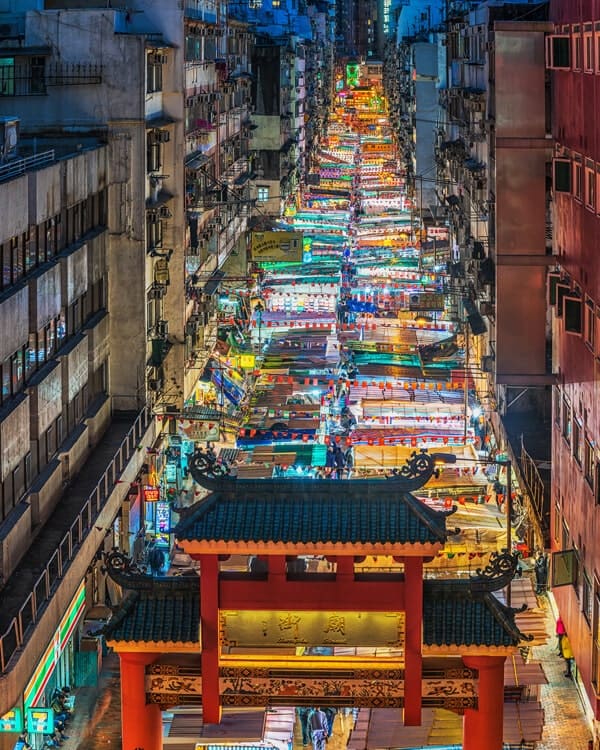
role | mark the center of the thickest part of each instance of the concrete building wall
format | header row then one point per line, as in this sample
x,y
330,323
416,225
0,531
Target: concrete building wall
x,y
575,507
48,379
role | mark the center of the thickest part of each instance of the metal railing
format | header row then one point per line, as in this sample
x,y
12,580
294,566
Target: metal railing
x,y
44,588
18,167
535,484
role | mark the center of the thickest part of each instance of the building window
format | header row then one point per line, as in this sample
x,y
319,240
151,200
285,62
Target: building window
x,y
588,463
578,179
587,601
590,186
558,52
154,77
588,49
589,323
556,406
597,46
7,76
577,441
12,375
577,47
262,194
566,420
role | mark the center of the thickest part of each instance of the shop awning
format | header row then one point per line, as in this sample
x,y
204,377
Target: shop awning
x,y
213,283
196,161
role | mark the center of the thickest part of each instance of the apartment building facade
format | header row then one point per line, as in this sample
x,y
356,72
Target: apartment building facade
x,y
99,291
573,56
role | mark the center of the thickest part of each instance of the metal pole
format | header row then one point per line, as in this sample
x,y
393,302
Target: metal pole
x,y
508,519
466,380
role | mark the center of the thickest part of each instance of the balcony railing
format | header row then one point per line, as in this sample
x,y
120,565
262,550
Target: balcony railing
x,y
65,553
20,166
34,78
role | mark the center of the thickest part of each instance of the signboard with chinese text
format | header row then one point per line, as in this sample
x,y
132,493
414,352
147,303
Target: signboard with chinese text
x,y
151,494
40,720
199,430
12,721
298,628
437,233
247,361
426,302
269,247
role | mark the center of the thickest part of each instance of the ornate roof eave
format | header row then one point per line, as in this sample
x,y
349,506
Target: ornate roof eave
x,y
127,574
462,650
258,547
497,575
154,647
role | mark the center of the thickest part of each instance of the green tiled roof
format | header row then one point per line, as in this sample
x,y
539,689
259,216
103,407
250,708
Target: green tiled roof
x,y
305,512
157,616
454,615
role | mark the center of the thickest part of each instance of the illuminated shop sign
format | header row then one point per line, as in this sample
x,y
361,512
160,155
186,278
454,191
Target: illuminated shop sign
x,y
12,721
36,685
40,720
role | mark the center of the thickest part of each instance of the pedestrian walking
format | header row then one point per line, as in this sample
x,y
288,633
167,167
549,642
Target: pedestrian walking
x,y
318,728
330,713
303,714
541,573
330,460
567,654
156,559
560,631
349,458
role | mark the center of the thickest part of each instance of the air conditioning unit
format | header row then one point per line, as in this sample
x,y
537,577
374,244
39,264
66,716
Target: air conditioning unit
x,y
163,136
162,328
487,363
9,138
155,384
156,292
165,212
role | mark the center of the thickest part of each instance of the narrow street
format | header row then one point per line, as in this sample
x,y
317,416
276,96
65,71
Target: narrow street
x,y
360,361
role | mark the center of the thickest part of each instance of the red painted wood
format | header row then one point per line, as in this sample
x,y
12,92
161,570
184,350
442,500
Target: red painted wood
x,y
343,594
413,571
483,728
141,722
209,612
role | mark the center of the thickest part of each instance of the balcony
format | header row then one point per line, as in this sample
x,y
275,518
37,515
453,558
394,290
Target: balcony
x,y
33,77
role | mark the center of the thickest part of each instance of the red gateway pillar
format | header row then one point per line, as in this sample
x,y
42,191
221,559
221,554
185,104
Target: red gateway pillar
x,y
483,728
413,660
141,722
209,636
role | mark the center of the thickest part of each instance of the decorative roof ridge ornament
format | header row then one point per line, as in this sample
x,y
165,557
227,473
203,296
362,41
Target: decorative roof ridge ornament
x,y
497,574
209,472
130,576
